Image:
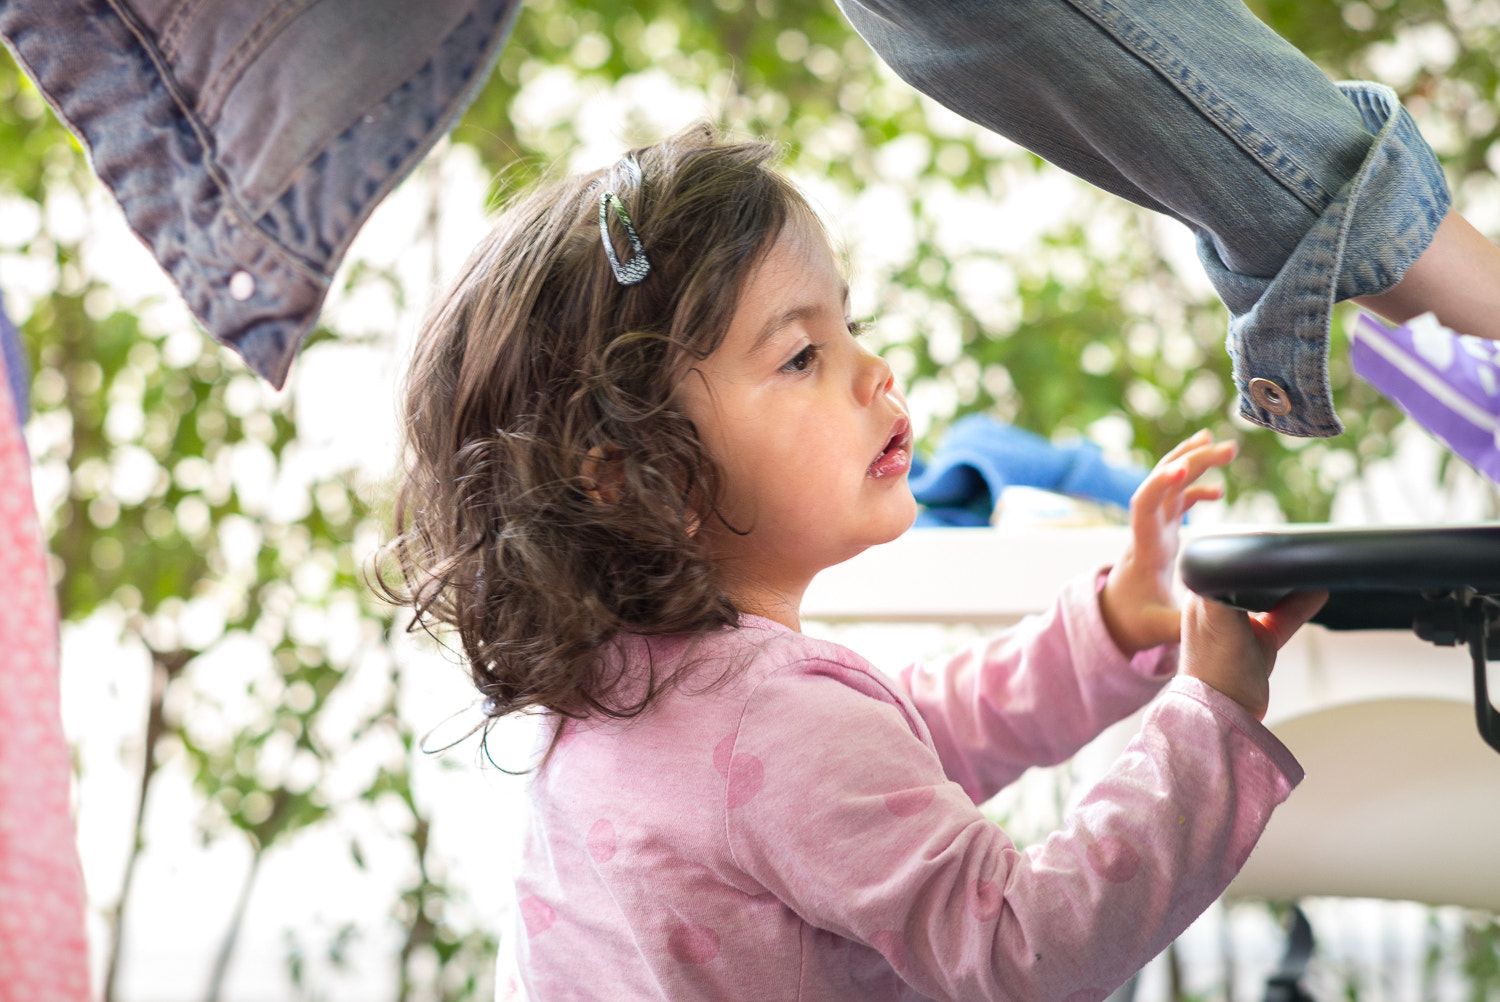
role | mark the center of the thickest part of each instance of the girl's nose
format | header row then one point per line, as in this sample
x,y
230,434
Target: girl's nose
x,y
875,378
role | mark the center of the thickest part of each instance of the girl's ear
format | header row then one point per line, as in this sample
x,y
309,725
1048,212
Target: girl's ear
x,y
604,475
604,481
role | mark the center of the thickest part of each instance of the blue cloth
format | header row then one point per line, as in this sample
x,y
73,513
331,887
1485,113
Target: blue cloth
x,y
980,457
16,369
1301,192
247,142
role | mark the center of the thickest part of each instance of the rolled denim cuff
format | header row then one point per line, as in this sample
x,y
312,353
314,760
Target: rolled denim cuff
x,y
1361,245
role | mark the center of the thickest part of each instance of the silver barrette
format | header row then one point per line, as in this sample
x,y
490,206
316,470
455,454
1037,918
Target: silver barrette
x,y
638,267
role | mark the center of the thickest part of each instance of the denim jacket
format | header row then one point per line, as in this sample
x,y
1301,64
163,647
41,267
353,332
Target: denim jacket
x,y
1301,193
247,141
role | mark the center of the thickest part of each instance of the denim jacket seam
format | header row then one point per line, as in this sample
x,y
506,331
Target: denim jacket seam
x,y
217,88
450,113
178,23
1147,47
389,177
1434,198
239,214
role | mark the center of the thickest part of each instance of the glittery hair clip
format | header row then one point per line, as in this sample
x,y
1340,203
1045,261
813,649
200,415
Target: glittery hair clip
x,y
638,267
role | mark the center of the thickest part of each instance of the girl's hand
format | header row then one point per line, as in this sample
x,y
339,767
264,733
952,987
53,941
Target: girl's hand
x,y
1234,651
1137,598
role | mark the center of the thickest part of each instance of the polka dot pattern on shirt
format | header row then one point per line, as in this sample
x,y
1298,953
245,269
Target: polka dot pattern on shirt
x,y
745,774
537,915
601,841
1114,859
910,803
43,953
691,943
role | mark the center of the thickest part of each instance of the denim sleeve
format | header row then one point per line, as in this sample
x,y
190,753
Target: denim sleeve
x,y
1301,192
248,142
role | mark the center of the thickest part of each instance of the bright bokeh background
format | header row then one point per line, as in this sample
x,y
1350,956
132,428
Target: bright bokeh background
x,y
256,817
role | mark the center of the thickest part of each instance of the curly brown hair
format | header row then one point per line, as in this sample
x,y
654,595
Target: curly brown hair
x,y
553,483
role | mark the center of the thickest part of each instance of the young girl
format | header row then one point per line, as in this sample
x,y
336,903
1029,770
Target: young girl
x,y
639,424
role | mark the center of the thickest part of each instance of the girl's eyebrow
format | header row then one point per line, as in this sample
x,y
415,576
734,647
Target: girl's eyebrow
x,y
781,322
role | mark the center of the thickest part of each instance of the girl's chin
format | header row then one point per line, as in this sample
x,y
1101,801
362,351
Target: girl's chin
x,y
906,515
893,527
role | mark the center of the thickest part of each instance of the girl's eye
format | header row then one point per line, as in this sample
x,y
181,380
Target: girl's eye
x,y
858,327
803,360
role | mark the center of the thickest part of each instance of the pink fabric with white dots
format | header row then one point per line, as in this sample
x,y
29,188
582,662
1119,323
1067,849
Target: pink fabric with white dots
x,y
43,956
807,829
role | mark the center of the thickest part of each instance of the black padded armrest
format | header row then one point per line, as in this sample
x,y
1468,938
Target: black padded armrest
x,y
1375,578
1443,582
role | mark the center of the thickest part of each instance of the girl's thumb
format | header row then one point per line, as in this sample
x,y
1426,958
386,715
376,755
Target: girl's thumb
x,y
1289,615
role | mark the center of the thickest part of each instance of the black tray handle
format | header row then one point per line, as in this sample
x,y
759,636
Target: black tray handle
x,y
1487,612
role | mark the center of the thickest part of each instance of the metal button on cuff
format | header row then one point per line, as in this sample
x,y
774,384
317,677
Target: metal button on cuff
x,y
241,286
1270,396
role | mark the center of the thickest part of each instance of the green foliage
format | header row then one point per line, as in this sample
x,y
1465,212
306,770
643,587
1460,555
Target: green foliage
x,y
35,149
163,450
1481,956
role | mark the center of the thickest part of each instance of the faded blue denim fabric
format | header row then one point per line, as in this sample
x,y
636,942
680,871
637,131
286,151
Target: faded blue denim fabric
x,y
1363,242
248,141
1301,192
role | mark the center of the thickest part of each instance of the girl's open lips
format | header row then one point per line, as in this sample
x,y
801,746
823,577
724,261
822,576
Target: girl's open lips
x,y
895,458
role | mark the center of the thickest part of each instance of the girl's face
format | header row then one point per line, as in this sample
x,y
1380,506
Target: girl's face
x,y
807,425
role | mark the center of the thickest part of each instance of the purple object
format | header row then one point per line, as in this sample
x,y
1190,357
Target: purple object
x,y
1448,383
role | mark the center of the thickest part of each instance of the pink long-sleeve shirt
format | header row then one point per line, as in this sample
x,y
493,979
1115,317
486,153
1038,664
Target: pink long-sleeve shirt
x,y
792,823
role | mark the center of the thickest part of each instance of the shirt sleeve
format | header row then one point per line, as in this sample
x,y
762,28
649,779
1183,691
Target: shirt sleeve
x,y
840,809
1033,694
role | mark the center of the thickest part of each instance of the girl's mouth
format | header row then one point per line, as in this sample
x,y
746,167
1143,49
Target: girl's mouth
x,y
895,458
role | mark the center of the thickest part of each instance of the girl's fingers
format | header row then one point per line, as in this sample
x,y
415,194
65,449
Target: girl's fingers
x,y
1170,486
1200,461
1151,491
1201,492
1180,476
1194,440
1191,460
1288,616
